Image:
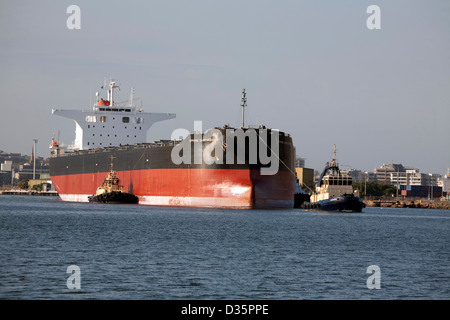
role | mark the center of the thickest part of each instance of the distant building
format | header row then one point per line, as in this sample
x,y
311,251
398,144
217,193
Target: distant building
x,y
299,162
446,184
421,191
46,184
6,173
383,173
14,157
306,178
26,171
305,175
5,178
15,167
413,177
6,166
360,176
410,182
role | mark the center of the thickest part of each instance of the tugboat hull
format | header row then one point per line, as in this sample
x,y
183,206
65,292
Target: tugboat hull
x,y
340,204
114,197
300,199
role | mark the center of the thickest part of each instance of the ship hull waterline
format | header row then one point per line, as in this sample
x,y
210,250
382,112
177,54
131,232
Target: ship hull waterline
x,y
212,188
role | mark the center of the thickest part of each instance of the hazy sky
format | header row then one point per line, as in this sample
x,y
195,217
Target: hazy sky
x,y
310,68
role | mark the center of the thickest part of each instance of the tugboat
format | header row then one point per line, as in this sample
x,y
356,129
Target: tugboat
x,y
334,191
112,192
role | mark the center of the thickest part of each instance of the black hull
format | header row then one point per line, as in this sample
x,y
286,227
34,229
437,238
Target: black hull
x,y
114,197
300,198
338,204
158,155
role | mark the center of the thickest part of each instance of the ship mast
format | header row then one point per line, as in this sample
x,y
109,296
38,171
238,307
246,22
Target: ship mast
x,y
243,105
333,162
112,163
112,85
334,165
131,97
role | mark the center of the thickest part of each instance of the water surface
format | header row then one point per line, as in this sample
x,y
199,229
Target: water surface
x,y
143,252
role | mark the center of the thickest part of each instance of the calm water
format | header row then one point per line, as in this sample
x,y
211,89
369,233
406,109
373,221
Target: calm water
x,y
140,252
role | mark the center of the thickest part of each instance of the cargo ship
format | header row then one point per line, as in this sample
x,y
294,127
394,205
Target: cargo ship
x,y
223,167
334,191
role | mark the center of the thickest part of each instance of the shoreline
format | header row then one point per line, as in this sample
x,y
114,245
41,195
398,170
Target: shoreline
x,y
421,203
28,193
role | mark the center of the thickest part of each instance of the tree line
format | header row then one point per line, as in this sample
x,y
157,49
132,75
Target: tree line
x,y
375,189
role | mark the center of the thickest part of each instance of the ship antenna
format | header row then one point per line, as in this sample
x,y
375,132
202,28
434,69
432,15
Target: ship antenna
x,y
243,105
112,86
333,162
112,164
131,97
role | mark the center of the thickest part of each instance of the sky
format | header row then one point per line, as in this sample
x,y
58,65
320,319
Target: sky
x,y
310,68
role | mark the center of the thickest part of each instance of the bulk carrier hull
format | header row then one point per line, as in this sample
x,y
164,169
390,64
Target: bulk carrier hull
x,y
149,172
223,167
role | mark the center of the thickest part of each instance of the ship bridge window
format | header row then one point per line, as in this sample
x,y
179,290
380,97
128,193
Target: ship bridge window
x,y
138,120
91,118
125,119
102,118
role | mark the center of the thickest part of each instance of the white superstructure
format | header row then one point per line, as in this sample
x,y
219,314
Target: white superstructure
x,y
333,185
109,124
